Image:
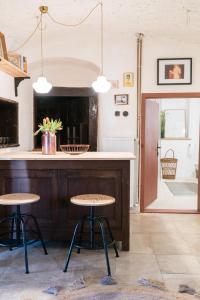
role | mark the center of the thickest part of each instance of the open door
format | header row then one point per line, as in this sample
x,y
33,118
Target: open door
x,y
149,155
198,200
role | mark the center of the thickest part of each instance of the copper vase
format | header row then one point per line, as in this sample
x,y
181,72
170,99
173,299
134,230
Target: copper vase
x,y
48,143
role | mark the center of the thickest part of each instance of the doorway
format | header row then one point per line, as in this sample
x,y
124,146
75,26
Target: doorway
x,y
178,192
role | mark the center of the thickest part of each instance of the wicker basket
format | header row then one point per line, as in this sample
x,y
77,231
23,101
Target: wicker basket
x,y
74,149
169,165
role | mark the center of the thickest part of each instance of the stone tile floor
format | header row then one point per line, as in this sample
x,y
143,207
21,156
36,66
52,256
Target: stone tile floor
x,y
163,247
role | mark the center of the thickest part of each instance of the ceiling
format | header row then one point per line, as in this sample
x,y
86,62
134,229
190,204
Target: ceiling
x,y
162,18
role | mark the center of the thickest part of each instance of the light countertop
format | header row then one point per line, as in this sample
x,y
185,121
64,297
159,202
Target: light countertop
x,y
33,155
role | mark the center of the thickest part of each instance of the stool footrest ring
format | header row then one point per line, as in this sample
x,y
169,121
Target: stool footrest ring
x,y
96,246
14,244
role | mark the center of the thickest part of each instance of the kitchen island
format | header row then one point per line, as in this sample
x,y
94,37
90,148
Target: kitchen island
x,y
58,177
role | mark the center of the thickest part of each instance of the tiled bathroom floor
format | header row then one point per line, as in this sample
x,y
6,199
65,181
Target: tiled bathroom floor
x,y
166,200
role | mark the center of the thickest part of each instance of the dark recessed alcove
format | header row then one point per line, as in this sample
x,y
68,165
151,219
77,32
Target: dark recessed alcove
x,y
76,108
8,123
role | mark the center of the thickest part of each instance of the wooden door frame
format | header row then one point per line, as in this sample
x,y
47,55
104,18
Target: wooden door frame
x,y
144,98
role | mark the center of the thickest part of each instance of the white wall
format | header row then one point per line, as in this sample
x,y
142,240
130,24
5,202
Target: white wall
x,y
66,72
154,48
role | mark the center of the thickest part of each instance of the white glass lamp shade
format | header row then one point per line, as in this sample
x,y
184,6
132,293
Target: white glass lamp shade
x,y
101,85
42,86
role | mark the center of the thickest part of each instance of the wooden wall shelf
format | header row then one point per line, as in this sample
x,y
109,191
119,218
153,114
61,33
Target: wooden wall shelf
x,y
12,70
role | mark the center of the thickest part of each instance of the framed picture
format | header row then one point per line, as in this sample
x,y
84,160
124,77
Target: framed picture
x,y
121,99
174,71
128,79
3,50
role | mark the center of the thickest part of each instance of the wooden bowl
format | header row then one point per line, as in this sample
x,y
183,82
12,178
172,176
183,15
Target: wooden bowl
x,y
74,149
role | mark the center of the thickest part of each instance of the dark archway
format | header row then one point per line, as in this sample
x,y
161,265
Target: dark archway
x,y
78,110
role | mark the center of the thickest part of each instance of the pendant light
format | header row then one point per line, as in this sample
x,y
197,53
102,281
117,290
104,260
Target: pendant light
x,y
42,85
101,85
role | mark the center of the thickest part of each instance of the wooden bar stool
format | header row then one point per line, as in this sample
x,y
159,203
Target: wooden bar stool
x,y
92,200
18,221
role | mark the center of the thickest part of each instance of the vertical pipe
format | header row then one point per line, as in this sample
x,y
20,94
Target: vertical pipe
x,y
139,80
139,86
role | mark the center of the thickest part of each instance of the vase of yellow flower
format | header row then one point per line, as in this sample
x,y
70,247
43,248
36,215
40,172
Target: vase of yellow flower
x,y
49,129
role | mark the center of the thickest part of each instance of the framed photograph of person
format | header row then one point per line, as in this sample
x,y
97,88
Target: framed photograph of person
x,y
3,50
174,71
121,99
128,80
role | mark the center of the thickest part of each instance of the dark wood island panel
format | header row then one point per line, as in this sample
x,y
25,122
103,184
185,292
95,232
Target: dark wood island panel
x,y
58,180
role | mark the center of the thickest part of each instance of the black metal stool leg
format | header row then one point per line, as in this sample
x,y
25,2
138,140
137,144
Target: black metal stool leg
x,y
111,236
18,225
12,230
81,233
39,233
92,223
105,246
71,246
23,228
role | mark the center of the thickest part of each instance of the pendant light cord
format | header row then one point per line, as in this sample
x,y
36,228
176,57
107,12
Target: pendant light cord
x,y
28,38
41,45
102,38
75,24
57,22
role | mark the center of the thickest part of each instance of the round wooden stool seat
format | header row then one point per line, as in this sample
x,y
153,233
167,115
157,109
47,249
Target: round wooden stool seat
x,y
18,199
92,200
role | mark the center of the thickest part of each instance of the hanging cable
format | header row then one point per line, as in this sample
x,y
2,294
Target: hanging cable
x,y
75,24
102,46
29,37
41,44
57,22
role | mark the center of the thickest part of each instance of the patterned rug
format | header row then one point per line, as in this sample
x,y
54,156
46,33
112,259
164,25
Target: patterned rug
x,y
182,188
124,293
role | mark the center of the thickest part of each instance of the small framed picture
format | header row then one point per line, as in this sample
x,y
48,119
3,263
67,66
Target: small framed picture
x,y
174,71
3,50
121,99
128,79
